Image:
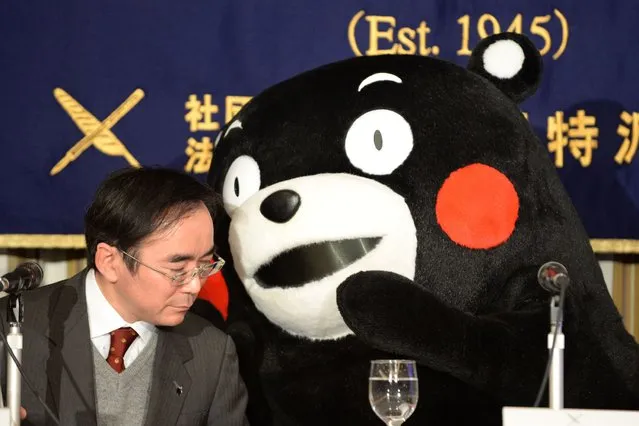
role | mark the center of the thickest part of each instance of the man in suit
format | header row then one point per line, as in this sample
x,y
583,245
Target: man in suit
x,y
115,344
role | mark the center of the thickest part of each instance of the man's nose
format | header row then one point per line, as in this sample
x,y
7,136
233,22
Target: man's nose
x,y
193,286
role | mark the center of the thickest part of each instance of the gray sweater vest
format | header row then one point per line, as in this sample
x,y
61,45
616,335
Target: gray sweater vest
x,y
123,399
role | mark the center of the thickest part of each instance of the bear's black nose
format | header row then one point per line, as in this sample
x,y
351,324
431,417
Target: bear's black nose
x,y
281,205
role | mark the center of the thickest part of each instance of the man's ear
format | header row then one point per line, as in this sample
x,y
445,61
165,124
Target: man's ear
x,y
108,261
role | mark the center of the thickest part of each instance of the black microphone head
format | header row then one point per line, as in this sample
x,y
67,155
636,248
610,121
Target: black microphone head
x,y
552,276
35,274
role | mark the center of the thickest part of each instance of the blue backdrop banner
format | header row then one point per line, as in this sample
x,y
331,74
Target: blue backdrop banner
x,y
90,87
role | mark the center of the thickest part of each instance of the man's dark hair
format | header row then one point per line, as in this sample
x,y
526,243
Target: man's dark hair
x,y
133,203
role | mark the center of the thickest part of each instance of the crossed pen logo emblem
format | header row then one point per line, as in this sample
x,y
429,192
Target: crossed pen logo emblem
x,y
96,133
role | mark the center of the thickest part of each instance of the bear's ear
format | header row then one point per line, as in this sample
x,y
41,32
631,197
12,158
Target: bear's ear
x,y
511,62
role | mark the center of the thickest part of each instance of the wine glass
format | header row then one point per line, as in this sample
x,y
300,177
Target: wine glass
x,y
393,389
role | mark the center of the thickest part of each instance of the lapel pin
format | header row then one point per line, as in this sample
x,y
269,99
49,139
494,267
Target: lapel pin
x,y
178,388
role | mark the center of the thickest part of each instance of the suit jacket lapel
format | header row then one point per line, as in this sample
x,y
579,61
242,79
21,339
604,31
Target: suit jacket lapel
x,y
70,363
171,381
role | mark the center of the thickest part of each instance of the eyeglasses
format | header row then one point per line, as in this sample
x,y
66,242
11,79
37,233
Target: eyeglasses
x,y
202,271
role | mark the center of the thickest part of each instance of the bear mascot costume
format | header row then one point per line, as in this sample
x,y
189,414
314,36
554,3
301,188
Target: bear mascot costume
x,y
401,207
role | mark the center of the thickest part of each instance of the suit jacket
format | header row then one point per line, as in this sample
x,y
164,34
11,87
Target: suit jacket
x,y
195,373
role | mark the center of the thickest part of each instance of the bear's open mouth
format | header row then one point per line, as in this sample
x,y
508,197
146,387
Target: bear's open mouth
x,y
304,264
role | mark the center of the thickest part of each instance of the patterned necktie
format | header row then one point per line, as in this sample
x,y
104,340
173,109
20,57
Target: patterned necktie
x,y
121,339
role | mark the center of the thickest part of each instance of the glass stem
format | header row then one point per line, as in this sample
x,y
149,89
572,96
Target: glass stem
x,y
395,422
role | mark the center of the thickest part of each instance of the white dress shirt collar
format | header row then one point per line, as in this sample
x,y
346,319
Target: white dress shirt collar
x,y
103,318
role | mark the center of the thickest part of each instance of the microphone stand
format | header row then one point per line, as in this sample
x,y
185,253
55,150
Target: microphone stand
x,y
556,344
15,316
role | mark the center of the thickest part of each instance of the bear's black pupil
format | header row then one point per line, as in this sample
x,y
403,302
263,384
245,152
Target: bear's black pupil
x,y
236,187
378,140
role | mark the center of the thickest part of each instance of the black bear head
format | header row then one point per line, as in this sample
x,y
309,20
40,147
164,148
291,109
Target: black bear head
x,y
398,163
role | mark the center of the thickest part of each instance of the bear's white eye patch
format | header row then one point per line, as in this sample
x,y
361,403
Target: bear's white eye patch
x,y
378,142
241,182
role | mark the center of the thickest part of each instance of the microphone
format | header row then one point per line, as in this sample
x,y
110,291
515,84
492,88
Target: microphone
x,y
25,277
553,276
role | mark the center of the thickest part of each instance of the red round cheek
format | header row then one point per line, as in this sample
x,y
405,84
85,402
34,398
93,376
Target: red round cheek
x,y
477,207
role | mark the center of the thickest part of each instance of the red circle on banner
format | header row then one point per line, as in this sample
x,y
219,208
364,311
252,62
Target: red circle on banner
x,y
477,207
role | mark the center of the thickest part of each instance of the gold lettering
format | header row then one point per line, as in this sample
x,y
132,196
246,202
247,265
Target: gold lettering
x,y
464,50
406,38
516,24
488,24
385,37
582,134
629,131
481,25
375,34
200,114
351,33
557,140
233,105
200,155
536,27
424,50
